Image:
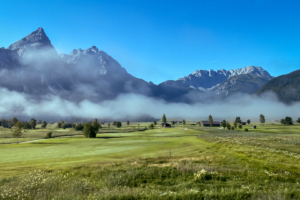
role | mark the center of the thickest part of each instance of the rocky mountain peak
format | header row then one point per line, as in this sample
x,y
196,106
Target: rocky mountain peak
x,y
36,38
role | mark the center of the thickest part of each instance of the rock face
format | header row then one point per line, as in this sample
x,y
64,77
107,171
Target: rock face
x,y
206,80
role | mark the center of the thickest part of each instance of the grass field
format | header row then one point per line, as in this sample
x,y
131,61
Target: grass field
x,y
185,162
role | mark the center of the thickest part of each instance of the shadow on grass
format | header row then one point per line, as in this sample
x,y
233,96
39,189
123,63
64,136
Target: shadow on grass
x,y
108,137
47,143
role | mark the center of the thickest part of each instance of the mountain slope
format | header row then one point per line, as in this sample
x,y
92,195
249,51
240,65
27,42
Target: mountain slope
x,y
287,87
244,83
205,80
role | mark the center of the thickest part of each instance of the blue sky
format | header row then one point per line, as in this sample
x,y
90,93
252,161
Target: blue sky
x,y
166,40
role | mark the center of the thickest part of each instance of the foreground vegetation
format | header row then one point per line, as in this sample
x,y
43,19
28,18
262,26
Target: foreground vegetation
x,y
185,162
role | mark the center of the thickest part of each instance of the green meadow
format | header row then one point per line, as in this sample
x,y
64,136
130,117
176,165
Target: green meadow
x,y
134,162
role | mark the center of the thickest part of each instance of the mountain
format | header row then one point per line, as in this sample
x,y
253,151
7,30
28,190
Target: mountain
x,y
206,80
243,83
32,66
287,87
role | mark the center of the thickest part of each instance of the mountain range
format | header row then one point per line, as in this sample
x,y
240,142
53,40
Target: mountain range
x,y
32,66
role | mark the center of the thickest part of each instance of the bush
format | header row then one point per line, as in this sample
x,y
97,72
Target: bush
x,y
151,126
118,124
79,127
246,129
49,135
232,128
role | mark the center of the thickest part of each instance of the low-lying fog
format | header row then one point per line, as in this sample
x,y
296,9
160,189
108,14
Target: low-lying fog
x,y
132,106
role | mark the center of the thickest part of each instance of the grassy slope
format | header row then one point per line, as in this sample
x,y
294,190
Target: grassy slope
x,y
108,147
259,164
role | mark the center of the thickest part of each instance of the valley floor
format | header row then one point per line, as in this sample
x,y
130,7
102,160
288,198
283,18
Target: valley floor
x,y
185,162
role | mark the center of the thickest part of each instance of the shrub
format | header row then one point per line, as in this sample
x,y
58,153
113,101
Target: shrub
x,y
232,128
49,135
118,124
151,126
79,127
246,129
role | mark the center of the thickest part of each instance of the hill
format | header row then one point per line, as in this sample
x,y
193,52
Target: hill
x,y
287,87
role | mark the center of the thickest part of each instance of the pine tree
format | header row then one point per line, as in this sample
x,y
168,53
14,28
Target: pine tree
x,y
210,119
164,119
154,122
183,121
128,123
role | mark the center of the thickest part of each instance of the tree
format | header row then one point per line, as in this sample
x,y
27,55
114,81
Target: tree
x,y
4,123
64,125
154,122
287,121
32,123
164,119
17,133
151,126
210,119
108,125
223,124
238,120
26,125
240,126
44,124
96,125
118,124
128,123
73,126
79,127
114,123
89,131
39,122
49,135
248,121
59,125
14,121
235,124
173,122
183,121
262,118
298,120
228,126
